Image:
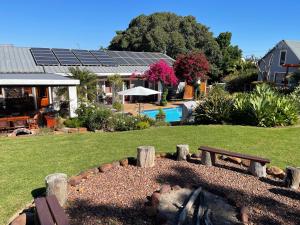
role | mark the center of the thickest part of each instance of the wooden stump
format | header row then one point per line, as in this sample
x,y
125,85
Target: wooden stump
x,y
292,178
257,169
145,156
182,152
208,158
56,184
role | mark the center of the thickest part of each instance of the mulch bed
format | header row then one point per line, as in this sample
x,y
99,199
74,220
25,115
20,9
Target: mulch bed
x,y
118,195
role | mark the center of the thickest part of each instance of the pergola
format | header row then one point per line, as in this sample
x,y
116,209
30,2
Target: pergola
x,y
35,80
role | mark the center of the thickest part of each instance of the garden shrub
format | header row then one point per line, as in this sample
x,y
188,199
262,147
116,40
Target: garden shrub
x,y
73,122
240,83
117,106
122,122
142,125
264,107
161,115
215,108
295,96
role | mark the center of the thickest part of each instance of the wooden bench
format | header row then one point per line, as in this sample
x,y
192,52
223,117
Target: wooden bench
x,y
257,164
49,211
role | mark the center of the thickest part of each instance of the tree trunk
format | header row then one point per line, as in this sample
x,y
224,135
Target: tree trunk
x,y
257,169
182,152
292,178
208,158
145,156
56,184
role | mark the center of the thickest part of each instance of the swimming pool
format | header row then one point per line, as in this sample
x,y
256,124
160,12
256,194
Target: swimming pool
x,y
172,114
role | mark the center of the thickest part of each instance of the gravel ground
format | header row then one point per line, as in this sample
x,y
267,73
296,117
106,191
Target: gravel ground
x,y
118,196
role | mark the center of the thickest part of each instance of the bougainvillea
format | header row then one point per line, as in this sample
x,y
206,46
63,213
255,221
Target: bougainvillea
x,y
191,67
161,72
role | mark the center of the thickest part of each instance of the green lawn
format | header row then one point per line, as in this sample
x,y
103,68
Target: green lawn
x,y
24,162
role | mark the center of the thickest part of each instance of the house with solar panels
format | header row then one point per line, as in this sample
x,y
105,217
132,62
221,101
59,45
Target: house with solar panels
x,y
30,76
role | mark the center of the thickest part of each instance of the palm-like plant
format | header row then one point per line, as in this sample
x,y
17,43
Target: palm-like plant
x,y
117,84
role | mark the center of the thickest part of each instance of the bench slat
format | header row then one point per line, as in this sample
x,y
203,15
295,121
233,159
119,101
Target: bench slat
x,y
57,211
233,154
43,212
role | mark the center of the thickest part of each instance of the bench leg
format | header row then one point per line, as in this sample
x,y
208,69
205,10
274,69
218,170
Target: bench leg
x,y
257,169
208,158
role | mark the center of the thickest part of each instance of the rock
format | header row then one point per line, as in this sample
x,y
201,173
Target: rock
x,y
84,175
19,220
234,160
105,167
157,155
150,211
165,188
115,164
246,162
275,171
163,155
124,162
155,199
196,155
292,178
74,181
57,184
93,170
257,169
244,214
176,187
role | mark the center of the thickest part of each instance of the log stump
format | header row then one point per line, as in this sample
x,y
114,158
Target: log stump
x,y
208,158
145,156
182,152
292,178
257,169
57,184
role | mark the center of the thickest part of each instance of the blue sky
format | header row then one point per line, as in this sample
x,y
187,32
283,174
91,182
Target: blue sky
x,y
256,25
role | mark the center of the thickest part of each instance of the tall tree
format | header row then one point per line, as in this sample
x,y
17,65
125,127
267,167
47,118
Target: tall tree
x,y
231,55
171,34
163,73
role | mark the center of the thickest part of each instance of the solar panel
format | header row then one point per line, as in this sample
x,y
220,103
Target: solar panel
x,y
66,57
86,58
44,57
104,58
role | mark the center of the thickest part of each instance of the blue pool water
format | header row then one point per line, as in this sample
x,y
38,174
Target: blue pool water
x,y
172,114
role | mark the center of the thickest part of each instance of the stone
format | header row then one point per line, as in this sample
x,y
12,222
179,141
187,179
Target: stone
x,y
94,170
165,188
275,171
246,162
163,155
234,160
244,214
145,156
105,167
176,187
74,181
257,169
115,164
84,175
182,151
57,184
155,199
124,162
196,155
157,155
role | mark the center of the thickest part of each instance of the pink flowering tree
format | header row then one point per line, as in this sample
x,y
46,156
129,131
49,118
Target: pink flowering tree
x,y
162,72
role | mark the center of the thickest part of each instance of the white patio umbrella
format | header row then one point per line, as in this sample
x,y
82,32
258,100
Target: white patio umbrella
x,y
139,91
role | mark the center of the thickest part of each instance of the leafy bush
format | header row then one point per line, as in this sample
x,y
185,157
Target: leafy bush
x,y
73,123
216,107
242,82
264,107
117,106
295,96
94,117
142,125
122,122
161,115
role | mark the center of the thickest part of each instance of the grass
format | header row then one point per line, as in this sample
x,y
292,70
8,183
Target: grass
x,y
24,162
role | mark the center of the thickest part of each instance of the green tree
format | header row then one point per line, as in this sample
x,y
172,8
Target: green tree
x,y
171,34
231,55
116,84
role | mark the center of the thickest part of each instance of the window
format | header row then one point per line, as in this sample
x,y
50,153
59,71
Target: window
x,y
282,58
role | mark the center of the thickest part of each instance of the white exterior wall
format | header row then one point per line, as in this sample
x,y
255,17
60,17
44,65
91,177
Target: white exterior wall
x,y
73,104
